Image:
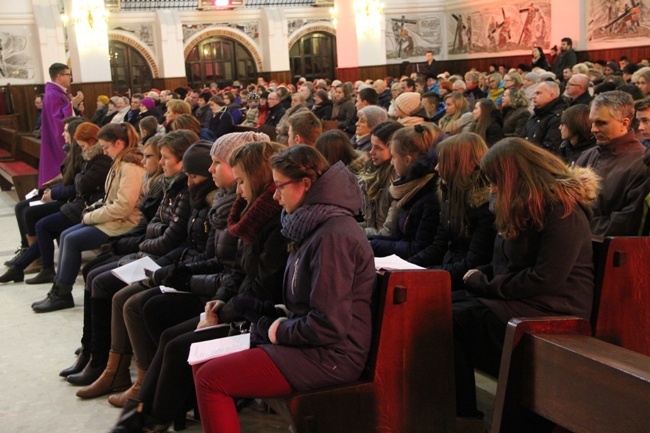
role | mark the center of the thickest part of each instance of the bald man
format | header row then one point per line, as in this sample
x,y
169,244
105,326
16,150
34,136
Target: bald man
x,y
577,89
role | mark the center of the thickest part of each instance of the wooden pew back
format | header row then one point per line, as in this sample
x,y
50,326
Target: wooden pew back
x,y
409,384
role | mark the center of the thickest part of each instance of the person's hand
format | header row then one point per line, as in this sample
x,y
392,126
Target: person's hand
x,y
476,282
260,331
47,196
77,98
211,317
470,273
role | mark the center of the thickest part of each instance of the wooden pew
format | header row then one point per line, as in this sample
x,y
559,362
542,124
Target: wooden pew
x,y
328,125
7,142
409,383
20,175
28,149
595,376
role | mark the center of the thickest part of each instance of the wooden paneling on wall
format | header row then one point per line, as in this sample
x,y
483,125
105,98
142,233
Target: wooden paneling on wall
x,y
169,83
461,66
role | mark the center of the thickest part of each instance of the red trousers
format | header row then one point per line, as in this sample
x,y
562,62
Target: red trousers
x,y
247,374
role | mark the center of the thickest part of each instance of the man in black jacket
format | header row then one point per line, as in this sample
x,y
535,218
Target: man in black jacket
x,y
577,89
566,59
543,127
276,110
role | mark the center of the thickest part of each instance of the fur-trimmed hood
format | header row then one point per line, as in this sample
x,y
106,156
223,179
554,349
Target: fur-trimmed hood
x,y
357,164
92,151
583,185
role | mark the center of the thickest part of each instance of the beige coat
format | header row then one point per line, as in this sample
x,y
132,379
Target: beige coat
x,y
119,212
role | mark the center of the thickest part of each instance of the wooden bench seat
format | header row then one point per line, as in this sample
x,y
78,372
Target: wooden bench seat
x,y
20,175
409,383
595,377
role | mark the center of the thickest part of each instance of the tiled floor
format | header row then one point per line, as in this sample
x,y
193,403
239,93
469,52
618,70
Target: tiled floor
x,y
35,347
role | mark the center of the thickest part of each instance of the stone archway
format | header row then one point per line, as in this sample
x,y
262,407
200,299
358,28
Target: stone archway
x,y
137,45
229,33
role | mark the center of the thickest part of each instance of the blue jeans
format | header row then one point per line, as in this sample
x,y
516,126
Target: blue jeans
x,y
73,241
47,229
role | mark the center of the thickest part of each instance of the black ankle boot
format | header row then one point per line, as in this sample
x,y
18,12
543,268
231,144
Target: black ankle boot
x,y
13,274
55,300
46,275
131,419
80,363
88,375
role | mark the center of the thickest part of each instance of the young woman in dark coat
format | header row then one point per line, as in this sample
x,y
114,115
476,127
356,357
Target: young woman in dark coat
x,y
107,371
325,337
465,236
542,262
414,215
322,107
487,121
134,305
258,273
575,128
514,108
87,188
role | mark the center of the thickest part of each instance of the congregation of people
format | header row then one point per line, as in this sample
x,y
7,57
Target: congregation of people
x,y
499,177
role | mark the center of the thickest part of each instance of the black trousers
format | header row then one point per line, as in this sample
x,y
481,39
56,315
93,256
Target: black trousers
x,y
478,343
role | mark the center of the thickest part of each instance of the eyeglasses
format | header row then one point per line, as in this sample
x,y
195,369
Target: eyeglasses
x,y
279,186
67,74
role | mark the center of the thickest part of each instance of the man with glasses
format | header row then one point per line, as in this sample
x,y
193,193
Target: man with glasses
x,y
57,105
577,89
276,110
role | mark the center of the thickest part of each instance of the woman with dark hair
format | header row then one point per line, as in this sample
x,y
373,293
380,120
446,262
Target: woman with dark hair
x,y
107,371
376,179
465,236
257,273
222,121
415,212
487,121
539,59
88,187
515,111
148,127
325,337
233,108
542,263
322,107
53,194
344,111
575,128
203,113
113,215
335,146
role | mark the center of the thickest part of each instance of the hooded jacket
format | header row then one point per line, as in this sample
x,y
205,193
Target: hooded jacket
x,y
546,272
328,285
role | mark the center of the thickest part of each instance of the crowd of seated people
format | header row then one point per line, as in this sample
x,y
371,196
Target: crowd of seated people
x,y
499,177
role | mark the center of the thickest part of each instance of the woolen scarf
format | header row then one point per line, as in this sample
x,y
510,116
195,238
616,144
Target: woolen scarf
x,y
248,226
402,192
299,224
221,206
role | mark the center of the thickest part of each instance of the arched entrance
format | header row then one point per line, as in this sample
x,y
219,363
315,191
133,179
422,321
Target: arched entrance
x,y
314,56
130,71
220,60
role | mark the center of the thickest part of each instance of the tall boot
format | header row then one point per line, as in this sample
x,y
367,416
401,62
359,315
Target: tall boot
x,y
116,377
83,358
83,352
34,266
118,400
131,419
91,372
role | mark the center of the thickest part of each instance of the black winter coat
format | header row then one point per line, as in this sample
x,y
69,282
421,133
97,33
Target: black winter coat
x,y
324,110
543,127
514,121
458,252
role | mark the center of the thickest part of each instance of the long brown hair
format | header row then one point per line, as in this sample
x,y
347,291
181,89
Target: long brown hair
x,y
459,159
527,178
485,119
254,159
120,131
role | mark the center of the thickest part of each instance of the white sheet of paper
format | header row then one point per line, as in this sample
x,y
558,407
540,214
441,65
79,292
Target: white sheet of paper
x,y
394,263
35,203
33,193
165,289
134,271
205,350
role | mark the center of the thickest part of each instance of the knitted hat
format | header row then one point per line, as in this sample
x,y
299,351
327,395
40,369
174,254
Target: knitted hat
x,y
103,99
196,159
149,103
408,102
532,76
227,143
253,96
374,115
264,95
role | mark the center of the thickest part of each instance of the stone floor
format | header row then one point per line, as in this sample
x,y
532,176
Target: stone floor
x,y
35,347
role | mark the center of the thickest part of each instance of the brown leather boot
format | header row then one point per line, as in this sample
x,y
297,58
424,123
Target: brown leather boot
x,y
118,400
116,377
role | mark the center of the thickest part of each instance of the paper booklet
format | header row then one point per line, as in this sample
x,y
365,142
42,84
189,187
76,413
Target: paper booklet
x,y
394,263
205,350
134,271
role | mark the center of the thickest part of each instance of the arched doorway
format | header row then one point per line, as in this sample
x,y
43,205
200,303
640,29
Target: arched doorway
x,y
314,56
129,69
219,60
